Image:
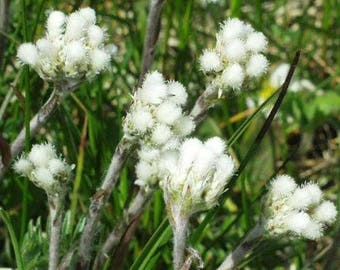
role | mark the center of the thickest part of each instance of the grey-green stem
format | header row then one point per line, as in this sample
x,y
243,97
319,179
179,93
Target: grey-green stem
x,y
136,207
179,228
56,205
241,251
99,199
60,91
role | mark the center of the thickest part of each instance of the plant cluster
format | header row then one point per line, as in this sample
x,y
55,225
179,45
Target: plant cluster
x,y
191,174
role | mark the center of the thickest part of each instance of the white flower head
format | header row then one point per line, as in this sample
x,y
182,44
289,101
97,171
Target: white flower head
x,y
325,213
73,48
196,182
40,154
156,115
233,76
28,54
168,113
256,42
210,61
100,60
177,93
23,166
44,168
236,58
257,65
282,186
296,211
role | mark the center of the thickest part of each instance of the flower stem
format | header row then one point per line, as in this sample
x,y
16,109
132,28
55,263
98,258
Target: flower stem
x,y
247,244
56,214
180,237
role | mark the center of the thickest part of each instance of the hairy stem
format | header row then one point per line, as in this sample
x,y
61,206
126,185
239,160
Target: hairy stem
x,y
99,199
180,236
56,204
247,244
136,207
152,32
43,115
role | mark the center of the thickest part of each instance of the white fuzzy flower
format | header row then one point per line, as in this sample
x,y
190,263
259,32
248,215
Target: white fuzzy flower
x,y
313,231
305,196
189,151
46,48
43,178
43,167
23,166
235,59
96,36
314,192
282,186
196,182
72,49
256,42
177,93
235,50
57,166
154,89
296,211
257,65
28,54
142,119
148,154
145,170
55,25
216,145
75,52
233,76
161,134
100,60
89,15
168,113
325,212
184,126
297,222
232,29
75,26
210,61
40,154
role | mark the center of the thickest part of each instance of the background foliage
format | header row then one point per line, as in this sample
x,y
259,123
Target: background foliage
x,y
303,139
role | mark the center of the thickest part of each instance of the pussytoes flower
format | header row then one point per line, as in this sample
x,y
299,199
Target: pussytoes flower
x,y
296,211
73,48
44,168
157,121
237,56
197,177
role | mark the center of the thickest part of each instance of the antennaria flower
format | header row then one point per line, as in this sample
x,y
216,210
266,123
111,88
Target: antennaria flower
x,y
199,177
237,56
157,121
296,210
44,168
73,48
193,179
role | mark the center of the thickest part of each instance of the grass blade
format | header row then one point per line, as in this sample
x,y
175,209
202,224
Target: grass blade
x,y
6,219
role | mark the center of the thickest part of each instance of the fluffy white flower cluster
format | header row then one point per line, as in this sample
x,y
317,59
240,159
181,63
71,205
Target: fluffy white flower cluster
x,y
237,56
197,176
297,210
73,47
44,168
157,120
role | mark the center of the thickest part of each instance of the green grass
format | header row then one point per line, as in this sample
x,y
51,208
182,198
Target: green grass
x,y
88,126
